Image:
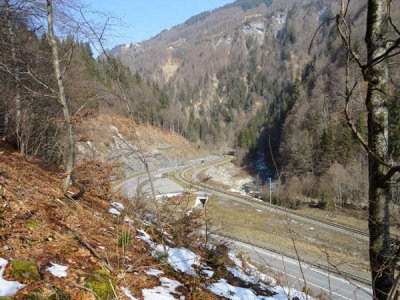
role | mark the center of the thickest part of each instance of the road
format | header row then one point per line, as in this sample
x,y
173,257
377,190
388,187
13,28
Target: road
x,y
331,284
139,183
316,279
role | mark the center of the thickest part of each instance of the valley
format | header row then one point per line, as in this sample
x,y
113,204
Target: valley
x,y
256,227
249,152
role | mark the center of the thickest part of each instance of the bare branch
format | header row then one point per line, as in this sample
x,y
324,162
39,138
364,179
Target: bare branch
x,y
390,18
315,33
345,40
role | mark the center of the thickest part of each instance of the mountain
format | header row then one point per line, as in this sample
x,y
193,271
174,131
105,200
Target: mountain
x,y
262,76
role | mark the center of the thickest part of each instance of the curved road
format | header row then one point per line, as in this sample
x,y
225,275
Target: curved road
x,y
318,280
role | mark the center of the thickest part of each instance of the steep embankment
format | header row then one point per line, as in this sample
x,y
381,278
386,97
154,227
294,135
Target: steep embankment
x,y
53,247
40,228
114,139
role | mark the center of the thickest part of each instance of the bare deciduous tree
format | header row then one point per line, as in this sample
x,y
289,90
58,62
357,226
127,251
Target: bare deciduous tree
x,y
375,71
62,98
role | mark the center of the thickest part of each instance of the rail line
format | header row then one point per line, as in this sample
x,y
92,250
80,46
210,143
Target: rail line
x,y
181,176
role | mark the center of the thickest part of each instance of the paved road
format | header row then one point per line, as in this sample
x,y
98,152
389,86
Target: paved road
x,y
139,183
317,280
162,186
333,285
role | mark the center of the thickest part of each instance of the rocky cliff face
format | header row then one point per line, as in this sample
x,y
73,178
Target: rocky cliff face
x,y
189,51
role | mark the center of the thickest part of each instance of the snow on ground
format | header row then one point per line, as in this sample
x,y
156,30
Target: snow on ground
x,y
240,274
145,237
224,289
57,270
163,292
7,288
180,259
118,206
128,293
282,293
127,219
154,272
113,211
207,273
168,195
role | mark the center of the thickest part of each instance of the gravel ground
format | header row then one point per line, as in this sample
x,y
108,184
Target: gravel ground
x,y
230,175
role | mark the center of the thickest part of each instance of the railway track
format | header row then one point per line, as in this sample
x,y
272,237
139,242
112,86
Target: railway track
x,y
182,177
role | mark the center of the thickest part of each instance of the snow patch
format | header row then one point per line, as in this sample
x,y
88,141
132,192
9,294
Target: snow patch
x,y
113,211
145,237
128,220
163,292
207,273
128,293
180,259
57,270
8,288
118,206
240,274
224,289
154,272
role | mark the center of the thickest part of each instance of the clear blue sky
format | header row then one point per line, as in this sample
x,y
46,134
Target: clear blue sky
x,y
146,19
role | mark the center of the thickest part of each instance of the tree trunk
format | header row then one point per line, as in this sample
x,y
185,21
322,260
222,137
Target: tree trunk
x,y
16,73
70,161
376,102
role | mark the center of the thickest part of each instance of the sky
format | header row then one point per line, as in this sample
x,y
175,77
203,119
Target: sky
x,y
145,19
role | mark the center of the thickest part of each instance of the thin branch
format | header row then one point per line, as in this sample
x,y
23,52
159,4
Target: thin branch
x,y
339,21
71,54
89,247
390,18
40,82
315,33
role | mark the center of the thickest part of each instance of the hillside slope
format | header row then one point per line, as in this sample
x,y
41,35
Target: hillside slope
x,y
96,248
111,138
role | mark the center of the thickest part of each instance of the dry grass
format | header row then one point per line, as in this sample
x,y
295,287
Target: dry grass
x,y
313,242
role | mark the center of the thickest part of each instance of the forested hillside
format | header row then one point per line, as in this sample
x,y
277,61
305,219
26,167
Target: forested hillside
x,y
259,76
96,89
